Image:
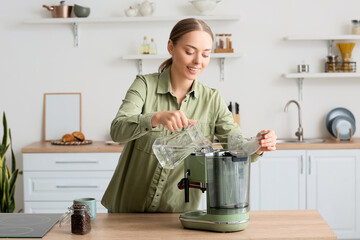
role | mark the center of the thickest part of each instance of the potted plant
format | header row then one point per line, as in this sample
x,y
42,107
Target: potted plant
x,y
7,179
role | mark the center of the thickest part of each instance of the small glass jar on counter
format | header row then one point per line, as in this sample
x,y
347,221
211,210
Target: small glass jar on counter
x,y
80,217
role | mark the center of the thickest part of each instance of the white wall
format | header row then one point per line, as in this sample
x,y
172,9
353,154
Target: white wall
x,y
40,58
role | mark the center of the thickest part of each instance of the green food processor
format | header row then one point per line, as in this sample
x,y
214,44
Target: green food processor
x,y
226,179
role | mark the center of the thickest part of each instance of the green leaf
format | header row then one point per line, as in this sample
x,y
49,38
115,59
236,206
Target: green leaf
x,y
13,160
5,136
13,181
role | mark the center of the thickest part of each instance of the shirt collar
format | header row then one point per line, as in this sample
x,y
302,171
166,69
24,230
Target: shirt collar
x,y
164,84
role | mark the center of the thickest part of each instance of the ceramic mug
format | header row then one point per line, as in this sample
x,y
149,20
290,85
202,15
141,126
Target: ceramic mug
x,y
91,202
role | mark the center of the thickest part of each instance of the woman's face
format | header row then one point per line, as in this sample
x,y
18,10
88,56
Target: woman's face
x,y
191,54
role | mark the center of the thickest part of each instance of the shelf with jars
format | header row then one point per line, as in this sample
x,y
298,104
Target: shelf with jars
x,y
333,67
220,56
75,22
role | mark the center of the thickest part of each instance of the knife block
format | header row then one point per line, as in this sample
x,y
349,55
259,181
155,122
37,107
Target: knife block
x,y
237,118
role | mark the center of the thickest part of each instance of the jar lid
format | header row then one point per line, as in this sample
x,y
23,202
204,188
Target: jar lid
x,y
332,57
80,206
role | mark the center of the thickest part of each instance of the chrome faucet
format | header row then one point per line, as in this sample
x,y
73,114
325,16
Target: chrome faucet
x,y
299,133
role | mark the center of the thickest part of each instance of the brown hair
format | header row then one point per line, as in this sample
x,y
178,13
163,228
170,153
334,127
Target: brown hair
x,y
181,28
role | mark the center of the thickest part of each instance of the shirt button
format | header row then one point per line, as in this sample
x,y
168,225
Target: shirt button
x,y
146,129
185,101
162,180
157,195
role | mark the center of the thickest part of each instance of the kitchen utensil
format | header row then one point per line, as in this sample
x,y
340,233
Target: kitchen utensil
x,y
238,145
173,149
230,107
205,7
90,202
147,8
60,11
81,11
303,68
131,12
225,178
343,127
26,225
237,108
340,111
59,142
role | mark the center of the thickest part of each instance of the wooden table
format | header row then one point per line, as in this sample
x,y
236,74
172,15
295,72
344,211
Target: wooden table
x,y
297,224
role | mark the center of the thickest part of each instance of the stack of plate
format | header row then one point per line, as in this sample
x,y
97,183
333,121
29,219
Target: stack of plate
x,y
343,120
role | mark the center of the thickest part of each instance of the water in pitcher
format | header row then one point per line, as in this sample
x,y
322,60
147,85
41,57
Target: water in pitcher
x,y
173,149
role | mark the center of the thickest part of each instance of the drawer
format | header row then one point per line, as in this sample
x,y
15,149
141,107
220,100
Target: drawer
x,y
69,161
55,207
65,186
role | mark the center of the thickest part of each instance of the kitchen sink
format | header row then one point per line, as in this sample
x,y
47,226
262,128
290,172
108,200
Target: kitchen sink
x,y
293,140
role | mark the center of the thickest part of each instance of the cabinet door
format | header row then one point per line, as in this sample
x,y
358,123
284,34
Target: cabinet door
x,y
278,181
65,186
333,189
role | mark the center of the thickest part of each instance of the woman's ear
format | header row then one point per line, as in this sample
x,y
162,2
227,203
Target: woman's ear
x,y
170,47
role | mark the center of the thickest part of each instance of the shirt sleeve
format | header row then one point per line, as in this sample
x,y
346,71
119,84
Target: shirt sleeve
x,y
225,124
129,122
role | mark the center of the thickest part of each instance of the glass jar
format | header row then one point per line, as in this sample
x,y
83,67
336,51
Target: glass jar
x,y
332,63
80,219
355,27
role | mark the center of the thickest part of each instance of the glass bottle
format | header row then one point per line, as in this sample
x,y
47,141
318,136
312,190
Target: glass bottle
x,y
145,46
152,47
355,27
80,217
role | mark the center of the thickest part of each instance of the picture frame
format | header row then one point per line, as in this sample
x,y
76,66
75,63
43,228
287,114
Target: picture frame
x,y
62,114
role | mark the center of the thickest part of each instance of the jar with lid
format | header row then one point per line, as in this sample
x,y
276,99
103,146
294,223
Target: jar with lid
x,y
80,216
355,27
332,64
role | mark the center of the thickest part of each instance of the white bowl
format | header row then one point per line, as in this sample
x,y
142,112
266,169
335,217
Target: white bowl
x,y
205,7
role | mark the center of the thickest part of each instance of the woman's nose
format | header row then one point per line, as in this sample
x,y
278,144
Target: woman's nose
x,y
197,58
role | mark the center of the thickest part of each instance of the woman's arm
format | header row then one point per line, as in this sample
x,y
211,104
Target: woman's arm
x,y
130,123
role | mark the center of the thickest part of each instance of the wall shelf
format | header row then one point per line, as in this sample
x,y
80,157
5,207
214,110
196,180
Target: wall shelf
x,y
329,38
221,56
317,37
302,76
76,21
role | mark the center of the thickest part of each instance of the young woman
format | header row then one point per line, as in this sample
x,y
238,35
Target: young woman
x,y
155,106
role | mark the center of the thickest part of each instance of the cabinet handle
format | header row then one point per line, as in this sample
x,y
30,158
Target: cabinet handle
x,y
64,186
309,165
302,165
61,162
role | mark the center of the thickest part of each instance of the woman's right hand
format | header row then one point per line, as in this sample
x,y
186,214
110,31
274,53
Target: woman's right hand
x,y
172,120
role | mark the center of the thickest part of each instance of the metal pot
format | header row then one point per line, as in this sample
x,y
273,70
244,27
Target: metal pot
x,y
60,11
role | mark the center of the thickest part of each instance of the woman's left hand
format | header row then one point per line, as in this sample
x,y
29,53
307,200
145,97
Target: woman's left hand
x,y
267,141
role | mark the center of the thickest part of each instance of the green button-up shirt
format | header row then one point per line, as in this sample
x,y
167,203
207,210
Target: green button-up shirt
x,y
139,183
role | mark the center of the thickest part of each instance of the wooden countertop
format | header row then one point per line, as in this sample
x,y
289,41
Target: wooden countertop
x,y
300,224
102,146
328,144
96,146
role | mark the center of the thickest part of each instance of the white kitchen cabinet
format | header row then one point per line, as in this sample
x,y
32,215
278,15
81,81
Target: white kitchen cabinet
x,y
53,180
325,180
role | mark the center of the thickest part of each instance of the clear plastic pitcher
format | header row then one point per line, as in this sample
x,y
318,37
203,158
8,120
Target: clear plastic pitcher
x,y
240,146
173,149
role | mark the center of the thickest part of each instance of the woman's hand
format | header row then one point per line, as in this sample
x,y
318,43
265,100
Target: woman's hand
x,y
172,120
267,141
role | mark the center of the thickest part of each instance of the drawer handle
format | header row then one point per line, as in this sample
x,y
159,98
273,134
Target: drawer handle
x,y
63,186
61,162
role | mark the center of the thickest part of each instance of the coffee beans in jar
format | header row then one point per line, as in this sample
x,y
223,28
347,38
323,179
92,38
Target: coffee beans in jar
x,y
80,219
